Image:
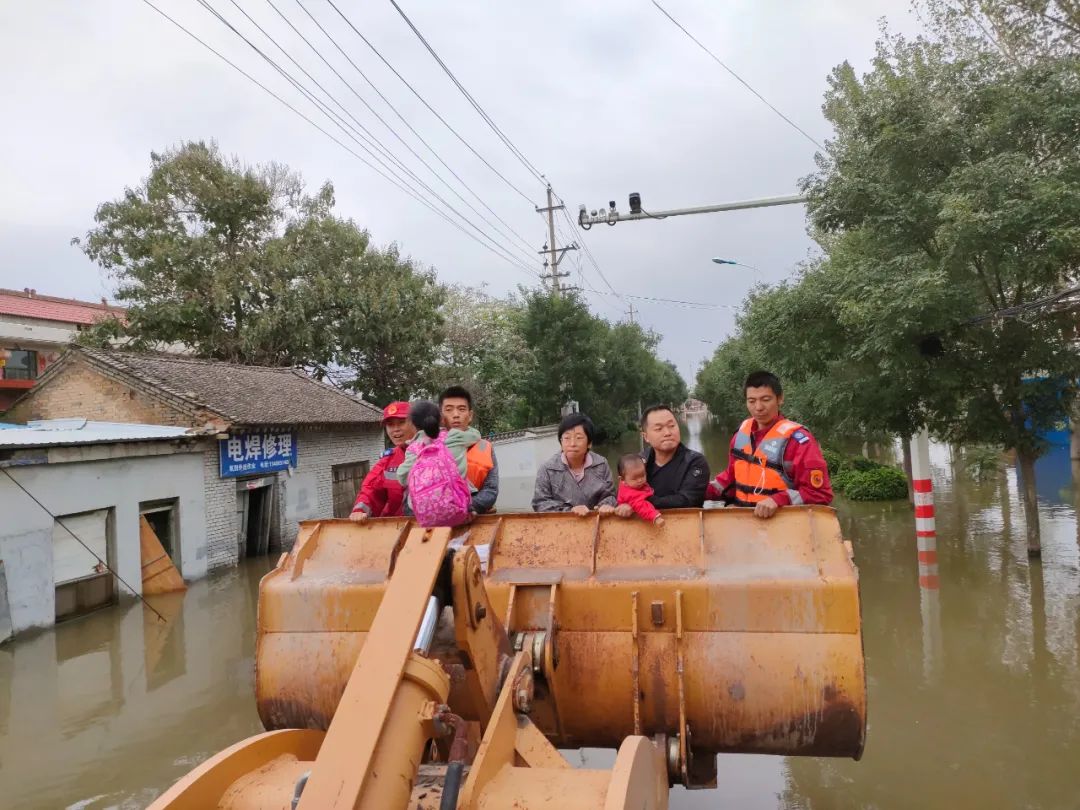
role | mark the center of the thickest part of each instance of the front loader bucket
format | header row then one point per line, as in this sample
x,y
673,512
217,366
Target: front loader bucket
x,y
718,630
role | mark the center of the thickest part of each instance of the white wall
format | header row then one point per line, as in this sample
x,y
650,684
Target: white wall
x,y
519,459
120,484
52,334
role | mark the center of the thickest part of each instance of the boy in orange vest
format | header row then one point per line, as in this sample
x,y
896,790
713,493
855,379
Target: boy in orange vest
x,y
482,469
772,462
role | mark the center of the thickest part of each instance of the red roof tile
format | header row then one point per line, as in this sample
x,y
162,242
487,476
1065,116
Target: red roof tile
x,y
48,308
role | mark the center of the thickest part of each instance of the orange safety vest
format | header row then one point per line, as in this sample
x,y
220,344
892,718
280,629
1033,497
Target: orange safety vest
x,y
479,461
760,471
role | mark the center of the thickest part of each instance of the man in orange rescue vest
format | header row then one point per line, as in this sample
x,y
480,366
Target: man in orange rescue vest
x,y
381,493
773,461
482,468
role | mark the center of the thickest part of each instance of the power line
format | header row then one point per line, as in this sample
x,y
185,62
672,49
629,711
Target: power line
x,y
673,301
588,253
1062,301
420,138
591,289
423,101
738,78
381,120
475,104
78,540
359,129
592,259
587,287
502,136
403,188
374,141
293,109
498,249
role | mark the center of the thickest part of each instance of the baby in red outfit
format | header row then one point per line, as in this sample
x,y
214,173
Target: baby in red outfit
x,y
634,489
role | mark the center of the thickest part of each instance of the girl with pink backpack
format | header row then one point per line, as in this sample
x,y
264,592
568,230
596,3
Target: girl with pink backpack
x,y
433,472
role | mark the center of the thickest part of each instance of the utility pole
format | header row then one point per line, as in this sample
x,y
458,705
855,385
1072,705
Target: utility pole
x,y
555,253
630,314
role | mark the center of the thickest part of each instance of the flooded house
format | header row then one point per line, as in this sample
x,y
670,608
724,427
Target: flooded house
x,y
222,460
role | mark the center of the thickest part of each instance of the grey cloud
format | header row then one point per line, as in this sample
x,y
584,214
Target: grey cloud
x,y
606,98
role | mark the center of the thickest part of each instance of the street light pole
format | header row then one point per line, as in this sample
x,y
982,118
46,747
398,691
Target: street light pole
x,y
586,219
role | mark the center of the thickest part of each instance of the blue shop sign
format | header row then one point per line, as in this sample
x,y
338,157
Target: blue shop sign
x,y
255,453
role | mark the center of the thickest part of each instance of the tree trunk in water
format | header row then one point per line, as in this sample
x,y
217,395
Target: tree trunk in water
x,y
956,458
1026,461
905,444
1041,659
1074,431
1076,495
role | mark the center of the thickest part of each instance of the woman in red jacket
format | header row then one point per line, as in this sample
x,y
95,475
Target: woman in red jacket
x,y
381,494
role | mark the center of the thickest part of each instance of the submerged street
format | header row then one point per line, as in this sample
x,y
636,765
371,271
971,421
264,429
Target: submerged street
x,y
973,689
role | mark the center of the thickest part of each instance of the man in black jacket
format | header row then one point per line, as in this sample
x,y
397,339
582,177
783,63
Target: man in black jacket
x,y
677,474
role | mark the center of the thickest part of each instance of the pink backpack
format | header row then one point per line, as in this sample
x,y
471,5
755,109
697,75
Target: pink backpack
x,y
437,491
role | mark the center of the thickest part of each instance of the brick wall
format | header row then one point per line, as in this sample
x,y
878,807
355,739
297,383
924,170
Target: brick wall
x,y
222,544
317,452
86,393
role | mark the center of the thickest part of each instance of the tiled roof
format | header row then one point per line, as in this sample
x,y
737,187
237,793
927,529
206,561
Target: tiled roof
x,y
242,395
47,308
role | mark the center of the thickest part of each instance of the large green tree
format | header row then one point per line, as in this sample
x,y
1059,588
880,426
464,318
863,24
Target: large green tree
x,y
1022,31
238,263
960,178
484,350
608,369
947,201
849,376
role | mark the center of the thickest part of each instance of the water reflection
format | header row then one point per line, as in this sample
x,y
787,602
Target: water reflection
x,y
974,693
107,710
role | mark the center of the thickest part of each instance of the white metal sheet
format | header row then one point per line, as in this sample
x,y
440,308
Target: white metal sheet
x,y
71,560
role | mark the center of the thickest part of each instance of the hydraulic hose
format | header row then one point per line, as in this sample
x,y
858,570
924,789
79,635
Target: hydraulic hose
x,y
452,786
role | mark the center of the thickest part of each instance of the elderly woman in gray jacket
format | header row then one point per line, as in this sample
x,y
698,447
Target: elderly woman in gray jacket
x,y
575,479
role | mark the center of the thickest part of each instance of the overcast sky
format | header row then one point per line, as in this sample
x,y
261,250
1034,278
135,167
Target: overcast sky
x,y
604,97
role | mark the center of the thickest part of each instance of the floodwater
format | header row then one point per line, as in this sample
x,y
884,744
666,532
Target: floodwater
x,y
974,690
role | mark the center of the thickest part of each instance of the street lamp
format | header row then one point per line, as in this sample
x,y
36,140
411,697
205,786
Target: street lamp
x,y
718,260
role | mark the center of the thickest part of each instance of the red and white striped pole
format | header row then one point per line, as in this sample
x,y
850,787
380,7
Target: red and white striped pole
x,y
926,539
925,530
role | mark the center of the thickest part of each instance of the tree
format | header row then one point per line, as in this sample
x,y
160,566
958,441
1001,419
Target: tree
x,y
609,370
848,376
1020,30
239,264
952,190
483,349
631,377
563,337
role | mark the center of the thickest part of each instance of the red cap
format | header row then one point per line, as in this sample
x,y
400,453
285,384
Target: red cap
x,y
396,410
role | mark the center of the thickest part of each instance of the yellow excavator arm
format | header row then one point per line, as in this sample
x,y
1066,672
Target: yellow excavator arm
x,y
399,667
